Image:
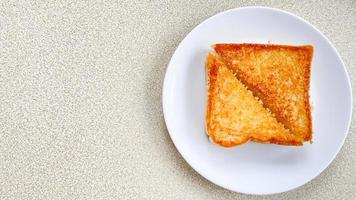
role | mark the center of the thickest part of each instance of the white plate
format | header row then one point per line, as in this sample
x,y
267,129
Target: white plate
x,y
256,168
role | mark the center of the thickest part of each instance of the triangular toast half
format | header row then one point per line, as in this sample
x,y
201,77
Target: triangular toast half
x,y
234,116
279,75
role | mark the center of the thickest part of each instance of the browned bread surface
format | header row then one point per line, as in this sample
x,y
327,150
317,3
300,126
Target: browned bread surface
x,y
234,116
279,75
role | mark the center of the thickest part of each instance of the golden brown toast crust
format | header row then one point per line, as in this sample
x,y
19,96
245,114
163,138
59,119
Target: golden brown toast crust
x,y
234,116
279,75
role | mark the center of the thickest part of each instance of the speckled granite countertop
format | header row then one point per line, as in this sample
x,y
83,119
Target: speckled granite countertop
x,y
80,93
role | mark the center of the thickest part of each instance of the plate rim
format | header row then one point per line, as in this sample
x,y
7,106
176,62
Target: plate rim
x,y
165,96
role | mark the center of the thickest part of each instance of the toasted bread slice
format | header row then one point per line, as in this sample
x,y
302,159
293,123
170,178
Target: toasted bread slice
x,y
234,115
279,75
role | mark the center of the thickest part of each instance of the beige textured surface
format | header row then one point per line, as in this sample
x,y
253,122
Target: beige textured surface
x,y
80,93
